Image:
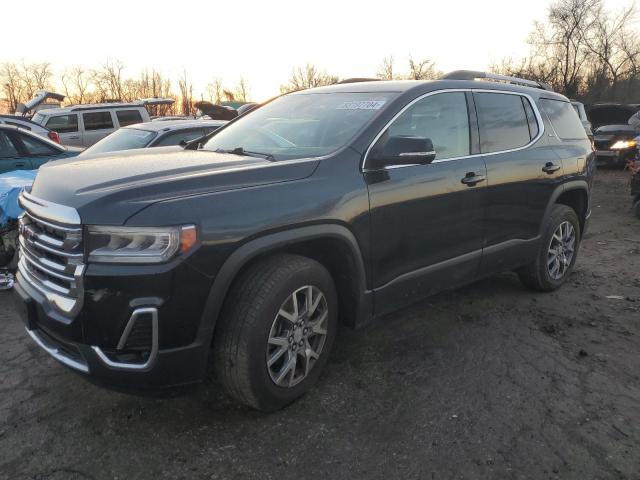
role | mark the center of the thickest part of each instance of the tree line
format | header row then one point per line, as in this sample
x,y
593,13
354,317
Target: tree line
x,y
582,50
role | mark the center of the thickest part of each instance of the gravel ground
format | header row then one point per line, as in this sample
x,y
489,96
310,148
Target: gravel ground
x,y
491,381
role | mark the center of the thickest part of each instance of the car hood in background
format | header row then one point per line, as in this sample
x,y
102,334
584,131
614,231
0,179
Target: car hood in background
x,y
41,96
108,189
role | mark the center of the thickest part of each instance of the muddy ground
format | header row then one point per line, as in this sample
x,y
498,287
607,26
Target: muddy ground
x,y
492,381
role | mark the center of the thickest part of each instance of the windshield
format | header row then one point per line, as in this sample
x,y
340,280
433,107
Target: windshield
x,y
123,139
301,125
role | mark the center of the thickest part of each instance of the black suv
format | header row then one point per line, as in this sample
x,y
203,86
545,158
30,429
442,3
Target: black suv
x,y
336,204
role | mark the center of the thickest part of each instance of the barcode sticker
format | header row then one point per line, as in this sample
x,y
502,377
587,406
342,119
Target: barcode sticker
x,y
362,105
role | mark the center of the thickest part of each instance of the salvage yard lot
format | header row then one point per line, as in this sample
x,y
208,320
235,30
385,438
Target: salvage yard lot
x,y
491,381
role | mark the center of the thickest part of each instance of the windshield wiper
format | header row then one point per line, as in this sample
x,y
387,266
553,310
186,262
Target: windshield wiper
x,y
248,153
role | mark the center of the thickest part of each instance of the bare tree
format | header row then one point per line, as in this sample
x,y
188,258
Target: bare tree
x,y
308,76
12,86
386,69
423,70
242,90
186,95
214,90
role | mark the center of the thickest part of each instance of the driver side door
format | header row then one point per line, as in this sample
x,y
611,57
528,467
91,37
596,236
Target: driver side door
x,y
426,221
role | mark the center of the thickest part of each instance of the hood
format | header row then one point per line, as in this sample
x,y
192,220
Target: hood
x,y
108,189
610,114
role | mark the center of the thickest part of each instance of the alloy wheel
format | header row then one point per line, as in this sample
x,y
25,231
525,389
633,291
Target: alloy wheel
x,y
297,336
561,250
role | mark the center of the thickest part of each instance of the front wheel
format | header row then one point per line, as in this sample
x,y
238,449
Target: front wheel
x,y
276,331
558,251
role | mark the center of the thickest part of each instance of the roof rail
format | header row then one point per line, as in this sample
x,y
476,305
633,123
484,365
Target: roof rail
x,y
473,75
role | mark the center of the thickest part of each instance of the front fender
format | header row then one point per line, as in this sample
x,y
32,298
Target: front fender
x,y
249,251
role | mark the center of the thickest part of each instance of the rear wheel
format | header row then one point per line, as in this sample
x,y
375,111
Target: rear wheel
x,y
558,251
276,331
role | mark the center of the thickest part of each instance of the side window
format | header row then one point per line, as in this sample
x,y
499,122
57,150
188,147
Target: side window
x,y
63,123
97,121
564,119
502,120
128,117
35,147
7,149
443,118
176,137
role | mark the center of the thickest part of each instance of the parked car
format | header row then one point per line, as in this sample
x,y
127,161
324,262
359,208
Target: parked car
x,y
84,125
39,102
582,115
367,197
24,150
26,124
616,145
154,134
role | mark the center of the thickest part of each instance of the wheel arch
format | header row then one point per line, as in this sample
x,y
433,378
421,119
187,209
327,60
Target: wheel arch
x,y
574,194
332,245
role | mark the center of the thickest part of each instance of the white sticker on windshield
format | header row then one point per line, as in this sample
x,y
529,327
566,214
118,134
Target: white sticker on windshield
x,y
362,105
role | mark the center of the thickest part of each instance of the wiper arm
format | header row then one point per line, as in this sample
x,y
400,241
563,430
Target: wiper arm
x,y
248,153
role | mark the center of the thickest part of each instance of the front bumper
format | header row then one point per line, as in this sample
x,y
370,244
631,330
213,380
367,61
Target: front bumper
x,y
166,367
614,158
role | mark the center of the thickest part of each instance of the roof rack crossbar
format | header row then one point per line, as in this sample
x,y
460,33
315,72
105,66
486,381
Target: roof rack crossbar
x,y
473,75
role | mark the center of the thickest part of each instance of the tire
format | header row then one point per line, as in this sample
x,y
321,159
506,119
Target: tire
x,y
541,274
251,318
636,208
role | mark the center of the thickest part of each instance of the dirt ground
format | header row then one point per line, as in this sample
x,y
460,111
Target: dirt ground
x,y
491,381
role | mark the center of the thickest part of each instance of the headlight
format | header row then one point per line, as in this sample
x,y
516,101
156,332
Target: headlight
x,y
623,144
138,244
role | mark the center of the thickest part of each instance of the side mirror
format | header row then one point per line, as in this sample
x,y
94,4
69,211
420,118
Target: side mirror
x,y
402,151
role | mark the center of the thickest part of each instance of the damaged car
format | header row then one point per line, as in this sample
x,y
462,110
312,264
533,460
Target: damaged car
x,y
614,139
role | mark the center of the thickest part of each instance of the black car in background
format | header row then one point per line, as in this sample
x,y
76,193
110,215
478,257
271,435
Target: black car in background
x,y
335,204
614,139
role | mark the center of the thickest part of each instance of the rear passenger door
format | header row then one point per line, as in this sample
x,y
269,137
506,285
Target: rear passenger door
x,y
67,127
523,171
97,125
426,220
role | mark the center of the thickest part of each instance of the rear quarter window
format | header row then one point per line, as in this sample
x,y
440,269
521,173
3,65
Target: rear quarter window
x,y
63,123
563,118
128,117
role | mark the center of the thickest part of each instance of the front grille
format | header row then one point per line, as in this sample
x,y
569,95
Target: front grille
x,y
602,144
51,255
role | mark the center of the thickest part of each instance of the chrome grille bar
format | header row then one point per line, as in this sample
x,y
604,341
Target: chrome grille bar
x,y
51,252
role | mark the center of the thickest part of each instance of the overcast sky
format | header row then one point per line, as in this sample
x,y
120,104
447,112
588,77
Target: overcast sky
x,y
263,40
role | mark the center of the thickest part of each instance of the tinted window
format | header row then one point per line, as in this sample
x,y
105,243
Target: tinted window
x,y
7,149
564,119
35,147
176,137
97,121
63,123
443,118
502,120
128,117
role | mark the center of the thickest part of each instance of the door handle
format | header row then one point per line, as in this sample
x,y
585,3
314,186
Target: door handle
x,y
550,168
471,179
75,137
20,164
